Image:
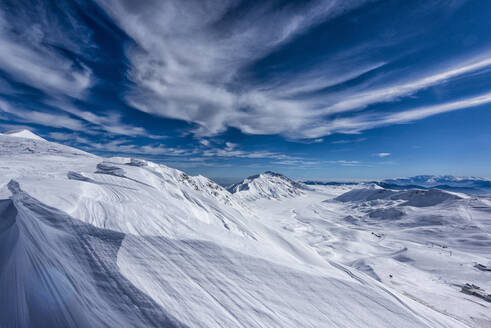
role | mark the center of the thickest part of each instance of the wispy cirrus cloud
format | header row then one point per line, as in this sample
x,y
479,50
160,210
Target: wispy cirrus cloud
x,y
227,152
363,99
347,141
126,147
66,116
301,70
30,33
190,60
42,118
190,55
367,121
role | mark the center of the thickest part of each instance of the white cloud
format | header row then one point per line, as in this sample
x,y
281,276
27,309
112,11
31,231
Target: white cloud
x,y
382,155
186,68
125,147
358,123
42,118
231,150
298,163
230,146
69,137
110,122
361,100
204,142
346,163
29,59
187,63
347,141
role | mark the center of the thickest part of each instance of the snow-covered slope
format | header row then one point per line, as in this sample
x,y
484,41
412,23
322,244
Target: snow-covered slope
x,y
269,185
412,197
426,244
87,241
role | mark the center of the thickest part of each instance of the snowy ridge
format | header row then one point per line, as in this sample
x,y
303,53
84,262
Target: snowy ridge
x,y
268,185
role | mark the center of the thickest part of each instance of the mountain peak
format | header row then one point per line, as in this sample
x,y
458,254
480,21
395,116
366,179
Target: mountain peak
x,y
23,133
266,174
269,185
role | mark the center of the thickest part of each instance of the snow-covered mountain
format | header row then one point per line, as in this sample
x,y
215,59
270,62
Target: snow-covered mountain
x,y
87,241
102,191
267,185
435,180
412,197
471,185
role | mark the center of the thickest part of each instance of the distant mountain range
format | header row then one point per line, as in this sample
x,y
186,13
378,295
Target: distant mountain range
x,y
469,185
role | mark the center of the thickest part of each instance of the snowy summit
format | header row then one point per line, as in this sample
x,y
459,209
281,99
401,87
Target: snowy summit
x,y
269,185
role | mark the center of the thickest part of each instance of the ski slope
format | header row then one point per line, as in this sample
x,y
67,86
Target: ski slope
x,y
87,241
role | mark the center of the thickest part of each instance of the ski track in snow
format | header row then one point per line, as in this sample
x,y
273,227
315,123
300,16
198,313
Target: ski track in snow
x,y
93,242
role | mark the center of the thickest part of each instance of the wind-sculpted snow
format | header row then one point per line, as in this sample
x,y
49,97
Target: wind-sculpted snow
x,y
87,241
107,168
56,271
63,273
237,290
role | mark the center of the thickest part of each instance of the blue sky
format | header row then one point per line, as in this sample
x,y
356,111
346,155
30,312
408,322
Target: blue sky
x,y
227,88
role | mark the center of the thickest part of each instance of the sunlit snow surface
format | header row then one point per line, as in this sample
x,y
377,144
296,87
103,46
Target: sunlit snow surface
x,y
118,242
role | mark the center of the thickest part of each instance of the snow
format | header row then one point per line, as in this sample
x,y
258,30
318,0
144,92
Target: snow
x,y
23,134
414,197
469,185
269,185
425,249
87,241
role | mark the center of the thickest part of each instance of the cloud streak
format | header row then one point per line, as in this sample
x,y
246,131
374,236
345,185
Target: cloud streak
x,y
359,101
300,70
374,120
28,39
187,67
189,63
